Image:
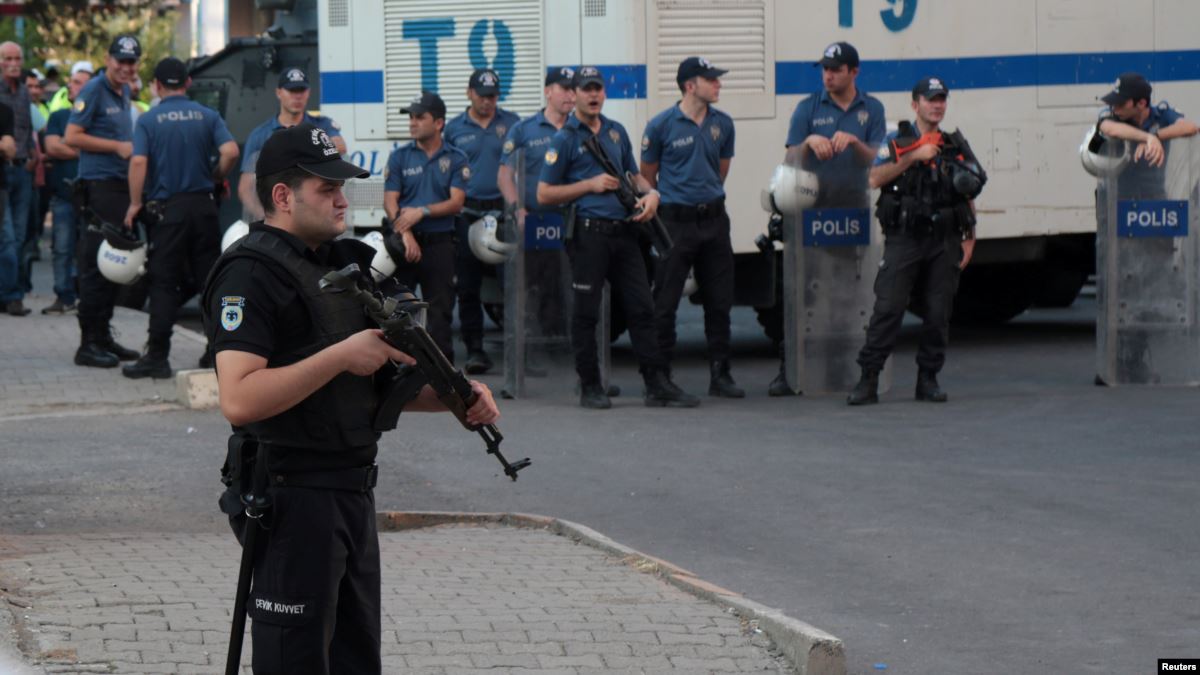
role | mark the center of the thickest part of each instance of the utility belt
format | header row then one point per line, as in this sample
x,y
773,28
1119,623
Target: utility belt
x,y
496,204
426,238
708,211
907,214
357,479
608,228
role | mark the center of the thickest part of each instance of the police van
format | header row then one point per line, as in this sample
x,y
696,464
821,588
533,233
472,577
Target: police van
x,y
1024,75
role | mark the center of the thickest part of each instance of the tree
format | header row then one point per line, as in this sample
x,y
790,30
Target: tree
x,y
73,30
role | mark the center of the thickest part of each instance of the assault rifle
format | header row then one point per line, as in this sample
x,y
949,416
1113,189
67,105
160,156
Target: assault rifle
x,y
628,195
397,316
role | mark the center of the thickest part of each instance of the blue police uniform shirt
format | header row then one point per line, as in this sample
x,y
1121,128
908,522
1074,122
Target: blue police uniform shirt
x,y
818,114
422,180
180,137
61,170
482,146
262,132
567,161
533,135
1140,180
689,156
103,113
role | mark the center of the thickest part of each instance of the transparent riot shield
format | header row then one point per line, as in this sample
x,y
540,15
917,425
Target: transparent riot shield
x,y
538,359
1148,269
831,253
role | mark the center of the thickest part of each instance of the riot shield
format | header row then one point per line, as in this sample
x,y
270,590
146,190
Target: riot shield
x,y
1147,267
538,300
831,252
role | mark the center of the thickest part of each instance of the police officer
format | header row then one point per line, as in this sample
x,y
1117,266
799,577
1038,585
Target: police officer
x,y
479,132
686,152
294,367
172,149
1131,117
604,243
530,139
424,189
101,130
835,134
927,216
292,91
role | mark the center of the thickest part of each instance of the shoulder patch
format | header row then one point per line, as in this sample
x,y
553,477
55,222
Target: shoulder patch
x,y
884,151
80,105
508,147
645,142
333,123
466,173
232,312
551,157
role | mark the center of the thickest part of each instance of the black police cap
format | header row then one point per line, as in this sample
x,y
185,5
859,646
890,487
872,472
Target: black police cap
x,y
125,48
930,87
307,147
588,75
1128,86
839,54
485,82
563,76
697,66
427,102
171,72
293,79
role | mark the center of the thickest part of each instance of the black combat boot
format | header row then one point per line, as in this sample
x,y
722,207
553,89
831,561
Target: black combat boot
x,y
662,392
478,361
91,352
720,382
928,389
207,360
153,363
592,395
107,340
867,389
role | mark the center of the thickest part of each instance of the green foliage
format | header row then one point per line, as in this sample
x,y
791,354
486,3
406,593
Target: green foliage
x,y
74,30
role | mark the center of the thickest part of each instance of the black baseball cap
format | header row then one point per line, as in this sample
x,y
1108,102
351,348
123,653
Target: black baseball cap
x,y
562,76
171,72
307,147
930,87
588,75
293,79
697,66
1128,86
125,48
427,102
485,82
837,54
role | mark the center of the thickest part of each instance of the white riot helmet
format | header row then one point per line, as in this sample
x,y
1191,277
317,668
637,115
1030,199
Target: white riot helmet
x,y
690,285
1102,156
791,190
122,255
236,231
484,244
382,265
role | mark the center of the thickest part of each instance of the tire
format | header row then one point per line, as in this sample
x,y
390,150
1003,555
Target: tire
x,y
994,294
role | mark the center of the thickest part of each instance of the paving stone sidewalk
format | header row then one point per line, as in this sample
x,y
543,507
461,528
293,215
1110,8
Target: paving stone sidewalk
x,y
38,374
456,599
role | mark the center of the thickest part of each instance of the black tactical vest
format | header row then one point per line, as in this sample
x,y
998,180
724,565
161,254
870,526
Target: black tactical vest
x,y
923,198
337,416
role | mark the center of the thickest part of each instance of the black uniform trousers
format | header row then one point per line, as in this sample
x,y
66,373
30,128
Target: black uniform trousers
x,y
109,199
701,239
928,263
187,239
434,273
468,271
315,601
609,250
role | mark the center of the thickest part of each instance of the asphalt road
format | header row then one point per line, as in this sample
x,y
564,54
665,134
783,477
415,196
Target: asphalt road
x,y
1035,524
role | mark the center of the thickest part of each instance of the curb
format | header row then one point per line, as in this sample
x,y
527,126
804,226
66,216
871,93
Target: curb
x,y
810,650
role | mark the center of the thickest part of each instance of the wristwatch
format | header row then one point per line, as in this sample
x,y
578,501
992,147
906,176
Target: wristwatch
x,y
426,212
